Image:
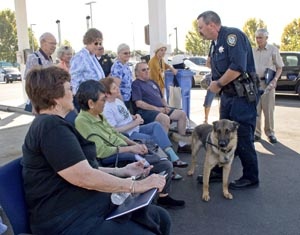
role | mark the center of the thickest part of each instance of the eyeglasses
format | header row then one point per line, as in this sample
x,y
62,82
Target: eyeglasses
x,y
126,53
52,43
98,43
145,69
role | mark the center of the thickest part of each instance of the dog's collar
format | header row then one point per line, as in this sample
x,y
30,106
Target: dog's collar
x,y
217,147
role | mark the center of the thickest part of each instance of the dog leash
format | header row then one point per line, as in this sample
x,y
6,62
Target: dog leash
x,y
217,147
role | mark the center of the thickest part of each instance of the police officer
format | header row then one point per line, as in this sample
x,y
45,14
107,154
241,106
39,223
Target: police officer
x,y
104,60
231,57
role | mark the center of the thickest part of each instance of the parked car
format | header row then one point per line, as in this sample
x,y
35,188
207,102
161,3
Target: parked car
x,y
289,81
198,60
10,74
199,70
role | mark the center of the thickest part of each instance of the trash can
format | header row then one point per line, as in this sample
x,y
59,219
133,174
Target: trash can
x,y
184,78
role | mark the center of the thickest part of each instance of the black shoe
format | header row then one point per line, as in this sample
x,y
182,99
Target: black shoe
x,y
213,178
257,138
272,139
184,149
180,164
169,202
243,184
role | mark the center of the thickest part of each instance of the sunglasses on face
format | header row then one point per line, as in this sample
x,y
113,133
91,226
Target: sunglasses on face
x,y
98,43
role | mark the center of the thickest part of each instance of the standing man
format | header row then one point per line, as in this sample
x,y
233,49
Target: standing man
x,y
231,60
266,56
42,57
104,60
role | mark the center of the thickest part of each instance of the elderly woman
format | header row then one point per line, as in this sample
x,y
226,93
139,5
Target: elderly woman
x,y
66,191
158,66
123,74
120,118
91,123
84,65
64,54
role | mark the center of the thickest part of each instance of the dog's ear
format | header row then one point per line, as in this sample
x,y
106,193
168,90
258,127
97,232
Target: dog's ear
x,y
215,125
235,125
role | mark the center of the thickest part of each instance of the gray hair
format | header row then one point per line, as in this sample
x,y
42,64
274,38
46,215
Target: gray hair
x,y
122,47
62,50
91,36
263,32
46,36
210,17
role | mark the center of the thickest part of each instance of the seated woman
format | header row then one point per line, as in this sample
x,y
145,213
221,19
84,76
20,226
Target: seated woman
x,y
65,189
120,118
93,125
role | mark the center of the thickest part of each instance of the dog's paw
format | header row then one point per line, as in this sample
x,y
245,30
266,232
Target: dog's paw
x,y
228,195
205,197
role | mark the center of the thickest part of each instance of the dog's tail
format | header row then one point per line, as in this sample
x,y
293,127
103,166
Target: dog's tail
x,y
177,137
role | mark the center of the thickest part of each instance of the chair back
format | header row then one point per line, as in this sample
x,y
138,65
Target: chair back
x,y
12,196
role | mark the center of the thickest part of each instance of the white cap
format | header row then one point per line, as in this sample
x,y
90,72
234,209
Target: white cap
x,y
178,59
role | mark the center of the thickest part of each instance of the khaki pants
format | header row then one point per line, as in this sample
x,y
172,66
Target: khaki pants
x,y
266,106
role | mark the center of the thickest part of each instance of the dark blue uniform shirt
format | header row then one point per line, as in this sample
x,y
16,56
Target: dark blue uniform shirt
x,y
232,50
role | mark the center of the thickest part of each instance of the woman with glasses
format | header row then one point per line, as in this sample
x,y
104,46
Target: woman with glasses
x,y
66,190
64,54
84,65
123,74
111,145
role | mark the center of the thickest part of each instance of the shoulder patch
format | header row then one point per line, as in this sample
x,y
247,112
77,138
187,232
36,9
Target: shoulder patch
x,y
231,39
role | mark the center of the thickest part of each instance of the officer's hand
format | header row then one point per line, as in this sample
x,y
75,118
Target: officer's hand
x,y
213,87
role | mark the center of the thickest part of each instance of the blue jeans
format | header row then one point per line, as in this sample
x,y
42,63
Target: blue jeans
x,y
153,131
209,97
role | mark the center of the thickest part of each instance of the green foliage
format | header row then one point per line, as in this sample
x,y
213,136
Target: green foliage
x,y
290,39
195,44
8,36
250,28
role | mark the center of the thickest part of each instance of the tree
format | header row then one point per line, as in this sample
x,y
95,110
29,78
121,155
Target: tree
x,y
195,44
250,28
8,36
290,39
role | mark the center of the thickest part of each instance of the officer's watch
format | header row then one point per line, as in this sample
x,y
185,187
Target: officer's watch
x,y
219,84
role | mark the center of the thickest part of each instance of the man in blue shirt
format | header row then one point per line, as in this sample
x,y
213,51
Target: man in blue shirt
x,y
231,58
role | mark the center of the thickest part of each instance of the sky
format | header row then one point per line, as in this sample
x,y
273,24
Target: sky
x,y
123,21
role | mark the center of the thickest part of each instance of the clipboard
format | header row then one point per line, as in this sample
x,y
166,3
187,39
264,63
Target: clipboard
x,y
269,75
133,203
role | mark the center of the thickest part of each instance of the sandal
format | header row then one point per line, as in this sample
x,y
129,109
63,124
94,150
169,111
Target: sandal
x,y
180,164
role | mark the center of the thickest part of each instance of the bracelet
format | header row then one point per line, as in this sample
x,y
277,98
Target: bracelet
x,y
131,188
219,84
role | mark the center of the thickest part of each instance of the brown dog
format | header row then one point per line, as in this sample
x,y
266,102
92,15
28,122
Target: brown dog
x,y
220,142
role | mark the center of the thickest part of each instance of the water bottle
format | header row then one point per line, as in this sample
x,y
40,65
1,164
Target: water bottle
x,y
119,198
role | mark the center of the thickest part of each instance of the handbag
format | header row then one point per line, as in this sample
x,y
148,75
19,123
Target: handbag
x,y
155,153
175,95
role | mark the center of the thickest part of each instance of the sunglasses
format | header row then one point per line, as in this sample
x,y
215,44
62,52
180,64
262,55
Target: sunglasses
x,y
126,53
98,43
145,69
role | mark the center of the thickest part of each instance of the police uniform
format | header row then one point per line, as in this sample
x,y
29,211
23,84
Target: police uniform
x,y
106,62
232,50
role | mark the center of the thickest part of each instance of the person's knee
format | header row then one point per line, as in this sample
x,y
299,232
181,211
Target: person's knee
x,y
164,120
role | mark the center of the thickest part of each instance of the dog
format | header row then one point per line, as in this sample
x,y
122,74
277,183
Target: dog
x,y
220,142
